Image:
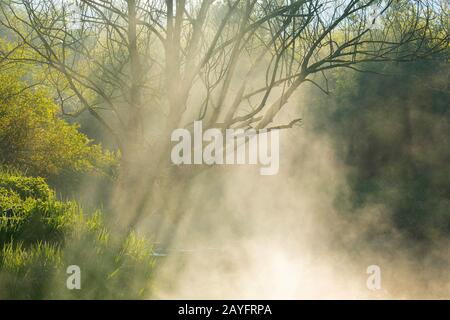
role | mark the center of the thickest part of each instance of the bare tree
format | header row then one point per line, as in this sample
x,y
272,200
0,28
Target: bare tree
x,y
145,67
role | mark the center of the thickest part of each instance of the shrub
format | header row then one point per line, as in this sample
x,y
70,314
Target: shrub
x,y
29,211
35,139
41,236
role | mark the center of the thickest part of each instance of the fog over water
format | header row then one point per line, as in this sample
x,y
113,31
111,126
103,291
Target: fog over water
x,y
244,236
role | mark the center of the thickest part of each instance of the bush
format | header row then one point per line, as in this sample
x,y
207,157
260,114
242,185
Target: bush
x,y
35,139
29,211
41,236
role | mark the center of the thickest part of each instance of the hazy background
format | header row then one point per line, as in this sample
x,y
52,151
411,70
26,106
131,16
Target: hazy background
x,y
361,183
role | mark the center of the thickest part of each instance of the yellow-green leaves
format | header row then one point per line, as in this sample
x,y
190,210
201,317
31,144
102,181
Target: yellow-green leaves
x,y
34,138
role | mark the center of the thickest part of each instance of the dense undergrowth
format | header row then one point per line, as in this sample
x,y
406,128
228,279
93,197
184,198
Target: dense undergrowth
x,y
41,236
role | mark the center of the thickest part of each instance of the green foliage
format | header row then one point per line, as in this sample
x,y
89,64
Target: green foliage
x,y
30,212
392,131
34,138
26,186
41,236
